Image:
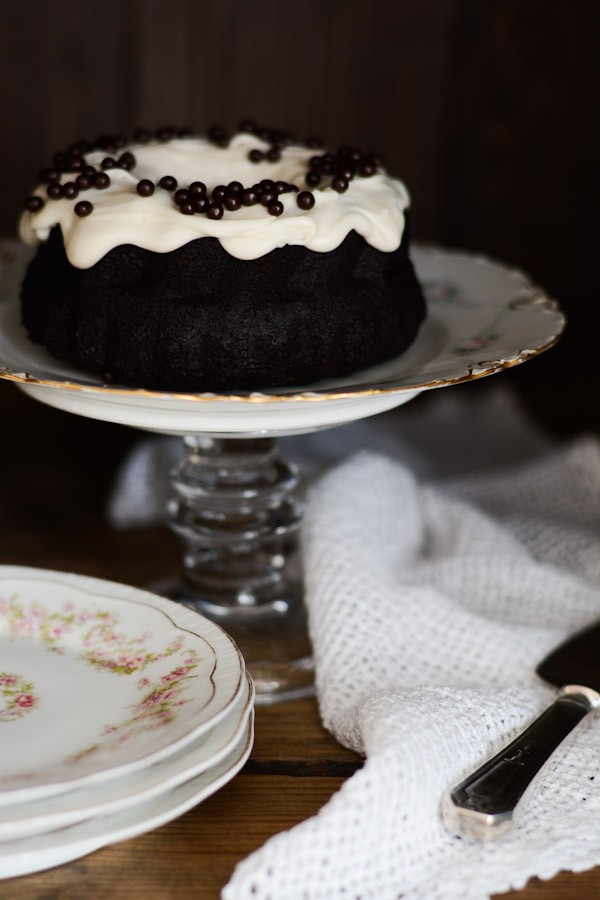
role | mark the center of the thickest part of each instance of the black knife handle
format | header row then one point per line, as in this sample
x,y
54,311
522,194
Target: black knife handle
x,y
483,804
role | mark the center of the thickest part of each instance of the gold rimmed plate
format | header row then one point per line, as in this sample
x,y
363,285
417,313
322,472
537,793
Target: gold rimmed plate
x,y
99,680
53,848
23,820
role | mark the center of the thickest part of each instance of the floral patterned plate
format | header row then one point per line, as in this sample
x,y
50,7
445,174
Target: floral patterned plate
x,y
483,317
33,854
18,820
99,680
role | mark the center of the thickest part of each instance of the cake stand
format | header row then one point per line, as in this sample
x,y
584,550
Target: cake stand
x,y
235,503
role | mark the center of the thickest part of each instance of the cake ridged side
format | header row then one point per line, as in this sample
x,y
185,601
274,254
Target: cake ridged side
x,y
198,319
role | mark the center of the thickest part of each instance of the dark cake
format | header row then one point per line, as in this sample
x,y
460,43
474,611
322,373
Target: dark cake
x,y
169,283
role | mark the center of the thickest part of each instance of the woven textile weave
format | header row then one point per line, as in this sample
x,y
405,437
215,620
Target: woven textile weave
x,y
438,573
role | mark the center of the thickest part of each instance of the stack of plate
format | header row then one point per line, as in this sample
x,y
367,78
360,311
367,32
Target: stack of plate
x,y
118,712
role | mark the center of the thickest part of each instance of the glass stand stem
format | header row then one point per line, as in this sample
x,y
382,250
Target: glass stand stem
x,y
237,513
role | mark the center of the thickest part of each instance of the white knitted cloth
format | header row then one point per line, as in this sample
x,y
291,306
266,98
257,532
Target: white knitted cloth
x,y
430,605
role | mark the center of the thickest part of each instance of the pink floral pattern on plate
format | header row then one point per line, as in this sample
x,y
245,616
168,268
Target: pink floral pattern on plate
x,y
106,648
157,707
97,630
17,697
447,292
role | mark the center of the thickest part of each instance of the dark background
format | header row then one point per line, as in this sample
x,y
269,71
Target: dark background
x,y
487,110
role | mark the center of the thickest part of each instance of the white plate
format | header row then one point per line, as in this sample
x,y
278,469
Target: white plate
x,y
482,318
44,851
98,679
18,820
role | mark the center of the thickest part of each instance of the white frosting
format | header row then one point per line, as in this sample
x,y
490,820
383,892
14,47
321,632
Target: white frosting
x,y
374,206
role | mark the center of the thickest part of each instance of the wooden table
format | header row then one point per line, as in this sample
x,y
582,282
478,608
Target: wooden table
x,y
55,473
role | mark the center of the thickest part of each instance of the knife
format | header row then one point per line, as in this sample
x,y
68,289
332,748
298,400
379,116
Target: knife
x,y
482,805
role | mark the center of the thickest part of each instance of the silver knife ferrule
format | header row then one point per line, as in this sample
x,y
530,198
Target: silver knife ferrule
x,y
589,695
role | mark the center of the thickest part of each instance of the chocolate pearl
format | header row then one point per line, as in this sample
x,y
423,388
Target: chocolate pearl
x,y
250,197
282,187
197,187
215,211
83,208
90,171
247,125
235,187
340,184
34,204
181,196
366,169
345,172
54,190
375,158
101,181
145,187
273,155
80,147
104,142
75,161
187,208
315,162
84,182
232,201
305,200
275,208
267,197
168,183
142,135
108,162
126,160
266,184
200,203
218,136
165,133
256,156
70,190
312,179
48,175
119,140
219,192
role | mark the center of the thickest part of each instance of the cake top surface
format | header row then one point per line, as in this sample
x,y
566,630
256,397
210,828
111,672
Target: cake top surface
x,y
254,192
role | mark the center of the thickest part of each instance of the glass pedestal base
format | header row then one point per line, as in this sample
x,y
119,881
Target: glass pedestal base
x,y
236,510
272,637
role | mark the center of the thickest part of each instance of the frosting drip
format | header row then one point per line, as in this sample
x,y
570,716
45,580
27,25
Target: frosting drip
x,y
373,207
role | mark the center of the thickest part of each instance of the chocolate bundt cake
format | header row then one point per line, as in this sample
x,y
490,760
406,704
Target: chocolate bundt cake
x,y
284,265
